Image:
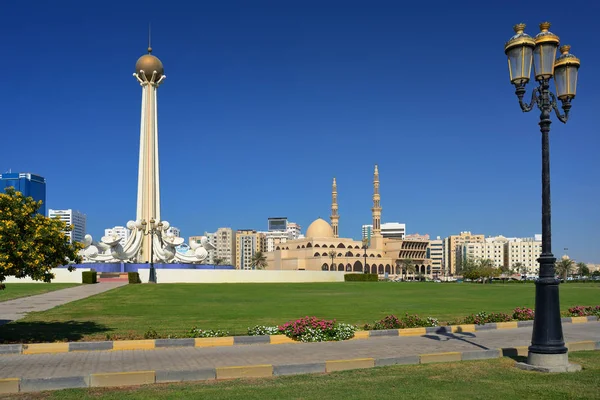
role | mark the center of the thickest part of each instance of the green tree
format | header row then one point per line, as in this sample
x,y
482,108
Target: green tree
x,y
564,267
218,261
582,269
409,267
30,243
259,260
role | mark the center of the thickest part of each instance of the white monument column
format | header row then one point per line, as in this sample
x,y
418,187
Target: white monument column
x,y
150,74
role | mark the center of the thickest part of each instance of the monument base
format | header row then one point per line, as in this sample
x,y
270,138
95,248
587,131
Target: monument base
x,y
550,363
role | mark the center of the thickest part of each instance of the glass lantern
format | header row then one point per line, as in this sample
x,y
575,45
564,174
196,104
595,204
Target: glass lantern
x,y
519,50
544,52
566,68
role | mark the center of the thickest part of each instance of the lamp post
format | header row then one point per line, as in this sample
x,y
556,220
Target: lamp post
x,y
152,230
332,255
365,244
547,351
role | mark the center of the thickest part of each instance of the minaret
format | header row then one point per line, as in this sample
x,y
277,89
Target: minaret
x,y
376,241
149,72
334,210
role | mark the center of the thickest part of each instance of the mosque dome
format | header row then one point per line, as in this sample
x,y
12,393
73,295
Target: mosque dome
x,y
149,63
319,229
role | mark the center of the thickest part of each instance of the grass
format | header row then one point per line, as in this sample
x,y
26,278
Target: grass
x,y
489,379
173,309
17,290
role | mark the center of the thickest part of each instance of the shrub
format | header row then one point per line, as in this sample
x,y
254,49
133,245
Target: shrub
x,y
484,318
313,329
523,314
259,330
89,277
134,277
583,311
201,333
150,334
408,321
361,277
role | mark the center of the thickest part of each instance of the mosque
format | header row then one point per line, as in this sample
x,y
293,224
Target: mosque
x,y
323,250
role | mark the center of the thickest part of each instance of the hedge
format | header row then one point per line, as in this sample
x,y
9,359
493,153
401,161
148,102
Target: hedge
x,y
361,277
134,277
89,277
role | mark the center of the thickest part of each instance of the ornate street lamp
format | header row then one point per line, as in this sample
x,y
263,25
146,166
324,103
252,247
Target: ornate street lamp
x,y
152,230
547,351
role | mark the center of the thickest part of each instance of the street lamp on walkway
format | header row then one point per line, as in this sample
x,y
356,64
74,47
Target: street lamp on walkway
x,y
547,351
152,230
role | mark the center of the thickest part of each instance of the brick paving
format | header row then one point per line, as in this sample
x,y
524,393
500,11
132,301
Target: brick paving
x,y
15,309
182,359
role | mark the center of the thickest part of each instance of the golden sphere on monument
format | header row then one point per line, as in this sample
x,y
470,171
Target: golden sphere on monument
x,y
149,63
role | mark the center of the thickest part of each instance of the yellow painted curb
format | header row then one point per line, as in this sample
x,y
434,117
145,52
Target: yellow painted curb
x,y
440,357
214,341
342,365
280,339
463,328
578,320
122,379
249,371
581,346
9,385
412,332
506,325
40,348
360,335
134,345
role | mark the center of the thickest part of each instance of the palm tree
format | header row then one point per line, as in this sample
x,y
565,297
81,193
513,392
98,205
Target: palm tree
x,y
564,267
259,260
582,269
409,267
218,261
332,255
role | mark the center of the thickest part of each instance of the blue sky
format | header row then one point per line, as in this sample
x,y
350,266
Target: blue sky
x,y
265,102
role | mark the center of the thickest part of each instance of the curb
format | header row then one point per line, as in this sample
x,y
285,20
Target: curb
x,y
151,344
136,378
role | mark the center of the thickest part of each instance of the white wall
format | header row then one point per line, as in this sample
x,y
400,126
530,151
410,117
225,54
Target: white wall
x,y
239,276
61,275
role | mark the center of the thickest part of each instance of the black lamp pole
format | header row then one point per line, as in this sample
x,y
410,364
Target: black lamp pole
x,y
152,230
547,343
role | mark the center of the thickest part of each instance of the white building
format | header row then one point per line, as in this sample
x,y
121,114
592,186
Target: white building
x,y
392,230
492,248
294,231
119,231
524,252
224,241
435,252
71,217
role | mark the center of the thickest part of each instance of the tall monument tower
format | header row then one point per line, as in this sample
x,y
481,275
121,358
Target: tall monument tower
x,y
334,210
149,72
376,238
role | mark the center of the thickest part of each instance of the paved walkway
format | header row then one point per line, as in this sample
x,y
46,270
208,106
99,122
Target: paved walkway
x,y
15,309
186,359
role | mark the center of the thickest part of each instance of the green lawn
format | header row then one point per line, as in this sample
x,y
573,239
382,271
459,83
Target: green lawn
x,y
490,379
16,290
173,309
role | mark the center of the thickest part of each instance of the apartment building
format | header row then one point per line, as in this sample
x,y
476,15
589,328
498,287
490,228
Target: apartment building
x,y
452,249
247,243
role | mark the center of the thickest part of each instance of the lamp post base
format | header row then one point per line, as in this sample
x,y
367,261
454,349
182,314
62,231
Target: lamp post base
x,y
551,363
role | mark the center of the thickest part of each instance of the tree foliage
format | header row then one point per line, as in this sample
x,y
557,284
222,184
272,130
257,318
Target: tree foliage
x,y
564,267
30,243
582,269
259,260
479,269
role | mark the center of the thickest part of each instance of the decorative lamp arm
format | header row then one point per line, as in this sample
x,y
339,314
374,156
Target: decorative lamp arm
x,y
566,106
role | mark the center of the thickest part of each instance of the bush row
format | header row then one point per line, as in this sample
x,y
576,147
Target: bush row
x,y
361,277
313,329
89,277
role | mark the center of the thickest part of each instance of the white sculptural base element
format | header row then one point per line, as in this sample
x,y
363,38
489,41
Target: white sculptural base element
x,y
550,363
110,250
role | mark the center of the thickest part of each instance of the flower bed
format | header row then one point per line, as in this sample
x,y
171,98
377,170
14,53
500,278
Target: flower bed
x,y
408,321
313,329
584,311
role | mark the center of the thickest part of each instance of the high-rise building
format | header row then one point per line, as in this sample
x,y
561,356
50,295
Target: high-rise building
x,y
277,224
119,231
247,243
452,247
71,217
294,230
389,230
30,185
224,241
523,253
492,248
435,252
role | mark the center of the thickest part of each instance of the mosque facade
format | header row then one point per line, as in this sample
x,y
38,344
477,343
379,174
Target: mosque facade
x,y
322,250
